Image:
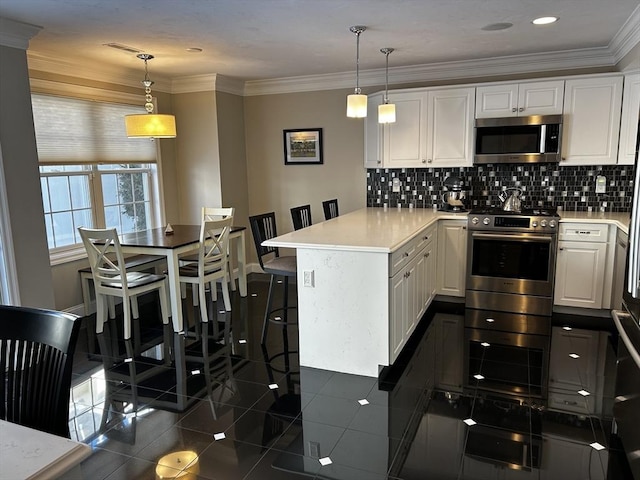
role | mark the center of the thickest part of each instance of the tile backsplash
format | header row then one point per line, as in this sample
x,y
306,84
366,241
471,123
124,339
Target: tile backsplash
x,y
543,185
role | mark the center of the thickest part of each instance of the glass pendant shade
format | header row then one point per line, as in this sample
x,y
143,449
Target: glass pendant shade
x,y
386,113
150,125
356,106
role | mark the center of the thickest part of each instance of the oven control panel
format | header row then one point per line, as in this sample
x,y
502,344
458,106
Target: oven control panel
x,y
513,222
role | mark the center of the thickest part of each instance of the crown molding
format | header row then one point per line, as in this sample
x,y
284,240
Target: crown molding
x,y
485,67
16,34
98,72
206,83
627,37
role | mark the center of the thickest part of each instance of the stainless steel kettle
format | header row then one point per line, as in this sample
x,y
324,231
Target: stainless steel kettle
x,y
511,200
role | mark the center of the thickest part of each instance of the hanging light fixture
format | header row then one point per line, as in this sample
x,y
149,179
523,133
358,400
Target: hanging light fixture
x,y
357,103
386,111
149,125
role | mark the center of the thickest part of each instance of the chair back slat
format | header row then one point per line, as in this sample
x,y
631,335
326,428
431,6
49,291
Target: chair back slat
x,y
98,243
263,227
214,245
217,213
36,358
301,217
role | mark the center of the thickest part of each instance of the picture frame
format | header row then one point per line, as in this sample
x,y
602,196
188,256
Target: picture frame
x,y
303,146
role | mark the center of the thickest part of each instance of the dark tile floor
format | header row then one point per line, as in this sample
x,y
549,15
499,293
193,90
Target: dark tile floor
x,y
271,419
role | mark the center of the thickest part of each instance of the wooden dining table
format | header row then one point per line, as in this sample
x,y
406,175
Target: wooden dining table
x,y
184,239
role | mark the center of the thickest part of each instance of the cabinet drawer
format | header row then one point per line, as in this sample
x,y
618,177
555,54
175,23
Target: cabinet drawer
x,y
584,232
424,237
401,257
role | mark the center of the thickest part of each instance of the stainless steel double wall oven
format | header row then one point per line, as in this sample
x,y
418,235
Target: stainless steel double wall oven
x,y
509,299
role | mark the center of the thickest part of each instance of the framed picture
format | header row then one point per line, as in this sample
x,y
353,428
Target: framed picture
x,y
303,146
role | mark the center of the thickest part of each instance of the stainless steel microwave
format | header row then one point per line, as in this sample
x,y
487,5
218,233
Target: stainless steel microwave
x,y
533,139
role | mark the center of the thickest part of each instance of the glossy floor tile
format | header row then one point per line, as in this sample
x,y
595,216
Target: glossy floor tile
x,y
264,417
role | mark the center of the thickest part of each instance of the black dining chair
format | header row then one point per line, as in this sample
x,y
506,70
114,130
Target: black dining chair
x,y
301,216
263,228
330,208
36,359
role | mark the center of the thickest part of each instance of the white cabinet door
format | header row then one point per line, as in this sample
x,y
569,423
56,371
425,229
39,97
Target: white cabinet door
x,y
452,257
591,121
373,133
580,274
405,140
450,125
494,101
398,307
520,99
629,122
541,98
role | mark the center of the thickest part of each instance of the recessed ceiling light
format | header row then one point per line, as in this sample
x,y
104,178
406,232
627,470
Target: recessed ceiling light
x,y
194,50
545,20
497,26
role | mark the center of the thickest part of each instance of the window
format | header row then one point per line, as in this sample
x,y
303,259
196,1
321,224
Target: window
x,y
91,174
119,196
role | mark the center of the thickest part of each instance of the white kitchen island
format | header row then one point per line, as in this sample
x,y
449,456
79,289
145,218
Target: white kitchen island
x,y
346,306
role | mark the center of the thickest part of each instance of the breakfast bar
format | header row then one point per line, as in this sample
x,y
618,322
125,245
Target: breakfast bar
x,y
345,294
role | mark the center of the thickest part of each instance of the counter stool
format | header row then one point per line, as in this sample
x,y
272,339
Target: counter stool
x,y
330,208
263,227
301,216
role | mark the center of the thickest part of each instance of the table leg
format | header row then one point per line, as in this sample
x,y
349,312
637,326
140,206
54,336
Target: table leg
x,y
242,264
173,275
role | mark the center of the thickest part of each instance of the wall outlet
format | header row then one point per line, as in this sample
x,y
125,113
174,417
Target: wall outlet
x,y
601,184
395,185
308,279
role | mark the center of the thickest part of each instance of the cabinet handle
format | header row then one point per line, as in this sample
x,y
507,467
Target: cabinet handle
x,y
379,162
521,109
406,254
464,228
514,109
426,255
424,161
567,402
429,161
561,248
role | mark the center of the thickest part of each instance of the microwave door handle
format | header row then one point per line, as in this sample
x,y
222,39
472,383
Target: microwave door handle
x,y
543,138
497,236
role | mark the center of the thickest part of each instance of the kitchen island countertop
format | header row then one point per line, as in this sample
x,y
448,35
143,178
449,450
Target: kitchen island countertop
x,y
365,230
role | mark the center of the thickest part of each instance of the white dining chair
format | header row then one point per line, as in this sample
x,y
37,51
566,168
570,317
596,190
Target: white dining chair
x,y
111,279
211,264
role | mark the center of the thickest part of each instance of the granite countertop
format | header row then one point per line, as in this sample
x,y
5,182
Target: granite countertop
x,y
366,230
619,219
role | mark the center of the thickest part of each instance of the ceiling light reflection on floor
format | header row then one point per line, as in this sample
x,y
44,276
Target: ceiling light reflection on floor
x,y
469,421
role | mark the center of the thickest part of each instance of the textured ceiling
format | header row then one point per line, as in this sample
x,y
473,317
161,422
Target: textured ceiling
x,y
266,39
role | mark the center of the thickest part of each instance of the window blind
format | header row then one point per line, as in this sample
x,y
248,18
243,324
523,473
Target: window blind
x,y
70,130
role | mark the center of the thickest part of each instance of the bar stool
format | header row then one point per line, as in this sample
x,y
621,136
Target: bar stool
x,y
301,216
263,227
330,208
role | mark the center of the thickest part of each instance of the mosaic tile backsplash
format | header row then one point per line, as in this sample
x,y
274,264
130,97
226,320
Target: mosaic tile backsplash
x,y
543,185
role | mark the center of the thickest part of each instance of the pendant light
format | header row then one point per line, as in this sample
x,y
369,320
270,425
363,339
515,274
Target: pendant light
x,y
386,111
357,103
149,125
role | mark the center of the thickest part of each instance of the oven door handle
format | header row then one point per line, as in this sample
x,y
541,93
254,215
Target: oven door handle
x,y
529,238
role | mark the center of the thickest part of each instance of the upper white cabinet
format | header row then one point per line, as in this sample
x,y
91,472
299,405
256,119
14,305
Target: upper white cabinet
x,y
629,122
591,120
405,140
433,128
450,127
520,99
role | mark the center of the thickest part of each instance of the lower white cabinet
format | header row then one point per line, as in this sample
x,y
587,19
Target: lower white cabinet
x,y
577,364
584,267
452,257
411,288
